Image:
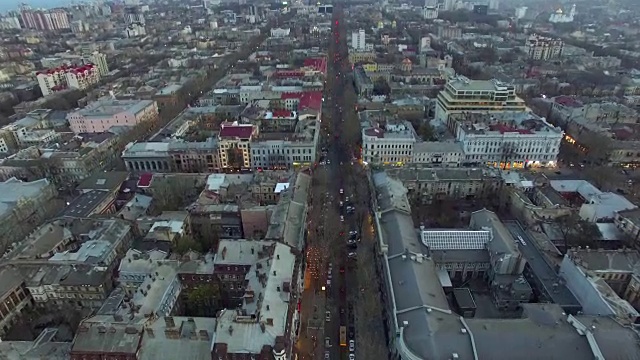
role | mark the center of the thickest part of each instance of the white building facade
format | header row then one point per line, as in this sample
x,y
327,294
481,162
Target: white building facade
x,y
543,48
462,95
392,145
358,41
518,143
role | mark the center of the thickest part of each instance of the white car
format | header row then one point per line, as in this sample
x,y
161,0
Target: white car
x,y
326,355
341,218
352,356
327,316
341,191
352,345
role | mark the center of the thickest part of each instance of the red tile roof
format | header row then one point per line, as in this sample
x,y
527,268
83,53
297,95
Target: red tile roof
x,y
228,130
568,101
311,100
145,180
319,64
289,74
286,96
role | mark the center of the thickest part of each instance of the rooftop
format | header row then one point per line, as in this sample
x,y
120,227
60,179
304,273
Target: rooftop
x,y
240,252
14,191
455,239
428,329
109,338
110,107
606,261
267,297
108,181
521,122
238,131
462,83
85,204
45,346
178,338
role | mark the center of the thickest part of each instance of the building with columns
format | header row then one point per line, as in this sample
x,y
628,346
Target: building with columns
x,y
147,157
174,156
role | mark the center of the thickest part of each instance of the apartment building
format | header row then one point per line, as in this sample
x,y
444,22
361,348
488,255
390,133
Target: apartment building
x,y
25,206
476,96
82,77
392,144
449,32
14,298
507,139
429,184
234,145
263,325
438,154
52,80
543,48
99,116
286,150
358,41
64,77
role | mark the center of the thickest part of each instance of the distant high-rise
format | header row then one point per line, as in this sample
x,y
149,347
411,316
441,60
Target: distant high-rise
x,y
55,19
133,15
358,41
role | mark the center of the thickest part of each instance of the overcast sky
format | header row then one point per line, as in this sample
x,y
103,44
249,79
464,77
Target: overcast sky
x,y
7,5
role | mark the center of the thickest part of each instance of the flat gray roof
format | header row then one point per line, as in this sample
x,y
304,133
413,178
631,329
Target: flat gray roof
x,y
83,205
13,190
428,329
542,270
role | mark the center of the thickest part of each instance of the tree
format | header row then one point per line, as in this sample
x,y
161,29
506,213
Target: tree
x,y
381,87
186,244
174,192
204,300
600,175
576,231
426,131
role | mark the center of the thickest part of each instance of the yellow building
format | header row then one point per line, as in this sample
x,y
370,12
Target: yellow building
x,y
361,56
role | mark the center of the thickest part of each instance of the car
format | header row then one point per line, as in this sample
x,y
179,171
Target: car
x,y
352,356
327,316
352,345
353,232
341,218
341,204
327,342
326,355
352,255
352,243
341,191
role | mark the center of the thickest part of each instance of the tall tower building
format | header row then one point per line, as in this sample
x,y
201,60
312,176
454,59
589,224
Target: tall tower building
x,y
100,61
358,40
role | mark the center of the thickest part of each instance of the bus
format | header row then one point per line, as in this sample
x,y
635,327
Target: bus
x,y
343,336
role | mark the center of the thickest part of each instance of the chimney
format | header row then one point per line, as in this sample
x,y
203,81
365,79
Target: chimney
x,y
150,333
270,321
204,335
230,330
262,327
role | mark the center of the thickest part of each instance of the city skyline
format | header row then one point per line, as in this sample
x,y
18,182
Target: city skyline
x,y
11,5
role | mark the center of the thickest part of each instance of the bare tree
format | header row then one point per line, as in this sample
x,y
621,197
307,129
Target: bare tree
x,y
174,193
